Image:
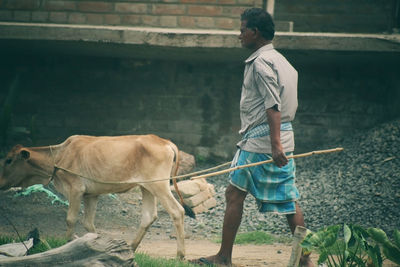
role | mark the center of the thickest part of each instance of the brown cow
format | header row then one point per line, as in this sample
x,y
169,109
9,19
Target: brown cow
x,y
84,167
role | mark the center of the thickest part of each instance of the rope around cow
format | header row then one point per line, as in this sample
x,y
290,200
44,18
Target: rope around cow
x,y
318,152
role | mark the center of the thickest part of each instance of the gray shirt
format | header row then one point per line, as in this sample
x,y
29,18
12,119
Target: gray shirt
x,y
269,81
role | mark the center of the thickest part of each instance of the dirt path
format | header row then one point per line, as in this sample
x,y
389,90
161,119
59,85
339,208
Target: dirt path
x,y
276,255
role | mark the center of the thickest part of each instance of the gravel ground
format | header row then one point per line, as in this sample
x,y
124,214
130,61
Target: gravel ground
x,y
360,185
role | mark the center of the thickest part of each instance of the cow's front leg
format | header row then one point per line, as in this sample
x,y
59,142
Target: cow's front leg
x,y
90,204
72,214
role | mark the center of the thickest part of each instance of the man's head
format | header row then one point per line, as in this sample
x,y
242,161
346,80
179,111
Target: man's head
x,y
257,25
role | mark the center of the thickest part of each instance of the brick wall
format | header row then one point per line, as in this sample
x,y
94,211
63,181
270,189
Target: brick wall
x,y
222,14
195,104
314,15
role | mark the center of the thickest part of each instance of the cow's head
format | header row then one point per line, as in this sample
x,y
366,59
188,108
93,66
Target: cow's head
x,y
18,170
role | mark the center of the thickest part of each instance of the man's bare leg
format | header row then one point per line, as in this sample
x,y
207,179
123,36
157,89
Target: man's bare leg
x,y
232,219
294,220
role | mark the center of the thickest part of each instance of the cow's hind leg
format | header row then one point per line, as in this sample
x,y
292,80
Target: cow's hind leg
x,y
176,212
90,204
149,215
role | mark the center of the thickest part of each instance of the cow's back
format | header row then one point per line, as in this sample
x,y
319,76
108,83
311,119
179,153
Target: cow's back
x,y
115,158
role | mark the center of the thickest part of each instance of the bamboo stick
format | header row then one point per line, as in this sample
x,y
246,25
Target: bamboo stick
x,y
268,161
202,171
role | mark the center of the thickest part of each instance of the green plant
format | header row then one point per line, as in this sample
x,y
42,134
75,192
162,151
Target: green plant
x,y
145,260
390,250
47,244
356,247
256,237
42,246
6,240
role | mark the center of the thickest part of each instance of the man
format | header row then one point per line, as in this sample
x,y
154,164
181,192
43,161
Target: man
x,y
268,105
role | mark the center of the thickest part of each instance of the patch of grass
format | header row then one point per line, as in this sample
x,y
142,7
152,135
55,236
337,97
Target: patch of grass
x,y
42,246
256,238
47,244
6,240
145,260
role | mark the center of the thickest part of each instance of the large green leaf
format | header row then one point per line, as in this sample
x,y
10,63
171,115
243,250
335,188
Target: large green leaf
x,y
322,257
346,234
329,240
378,235
374,256
392,253
396,236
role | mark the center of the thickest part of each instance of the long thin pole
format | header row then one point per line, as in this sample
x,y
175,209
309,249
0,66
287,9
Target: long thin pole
x,y
268,161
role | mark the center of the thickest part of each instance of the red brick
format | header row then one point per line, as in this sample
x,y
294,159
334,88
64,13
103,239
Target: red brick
x,y
22,4
187,22
205,10
225,23
247,2
199,1
131,8
40,16
111,19
58,17
77,18
151,20
233,12
96,19
165,9
60,6
168,21
91,6
227,2
131,19
203,22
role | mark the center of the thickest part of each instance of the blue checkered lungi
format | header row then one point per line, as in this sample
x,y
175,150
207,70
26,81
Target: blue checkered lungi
x,y
273,188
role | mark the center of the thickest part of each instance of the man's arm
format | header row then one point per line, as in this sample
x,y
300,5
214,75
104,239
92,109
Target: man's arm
x,y
274,122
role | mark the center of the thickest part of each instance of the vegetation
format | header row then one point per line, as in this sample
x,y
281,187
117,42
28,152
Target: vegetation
x,y
145,260
47,244
42,246
257,238
357,247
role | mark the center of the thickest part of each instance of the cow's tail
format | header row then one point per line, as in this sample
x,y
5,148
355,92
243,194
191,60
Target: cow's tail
x,y
188,210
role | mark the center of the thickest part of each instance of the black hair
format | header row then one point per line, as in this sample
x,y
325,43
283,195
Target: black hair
x,y
260,19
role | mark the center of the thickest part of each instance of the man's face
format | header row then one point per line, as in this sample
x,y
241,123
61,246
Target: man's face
x,y
247,36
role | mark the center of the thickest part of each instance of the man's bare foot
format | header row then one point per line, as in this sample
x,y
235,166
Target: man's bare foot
x,y
212,261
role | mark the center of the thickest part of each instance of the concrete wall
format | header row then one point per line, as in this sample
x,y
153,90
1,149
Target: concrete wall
x,y
365,16
308,15
195,104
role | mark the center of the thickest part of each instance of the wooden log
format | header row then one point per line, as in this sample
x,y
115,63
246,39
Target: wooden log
x,y
89,250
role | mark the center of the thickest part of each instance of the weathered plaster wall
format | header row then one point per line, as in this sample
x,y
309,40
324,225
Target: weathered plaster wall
x,y
195,104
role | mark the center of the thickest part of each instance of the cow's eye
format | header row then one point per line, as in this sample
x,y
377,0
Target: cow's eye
x,y
8,161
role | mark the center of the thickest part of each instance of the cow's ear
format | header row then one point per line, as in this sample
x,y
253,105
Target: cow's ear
x,y
25,154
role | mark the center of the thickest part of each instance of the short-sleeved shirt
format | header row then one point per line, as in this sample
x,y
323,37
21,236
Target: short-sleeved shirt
x,y
269,81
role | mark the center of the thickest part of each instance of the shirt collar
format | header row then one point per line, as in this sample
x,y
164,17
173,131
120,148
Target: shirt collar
x,y
258,52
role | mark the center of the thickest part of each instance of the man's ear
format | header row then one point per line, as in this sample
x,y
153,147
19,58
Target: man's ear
x,y
257,33
25,154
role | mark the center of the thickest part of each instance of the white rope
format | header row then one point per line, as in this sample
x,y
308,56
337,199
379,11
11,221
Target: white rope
x,y
318,152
